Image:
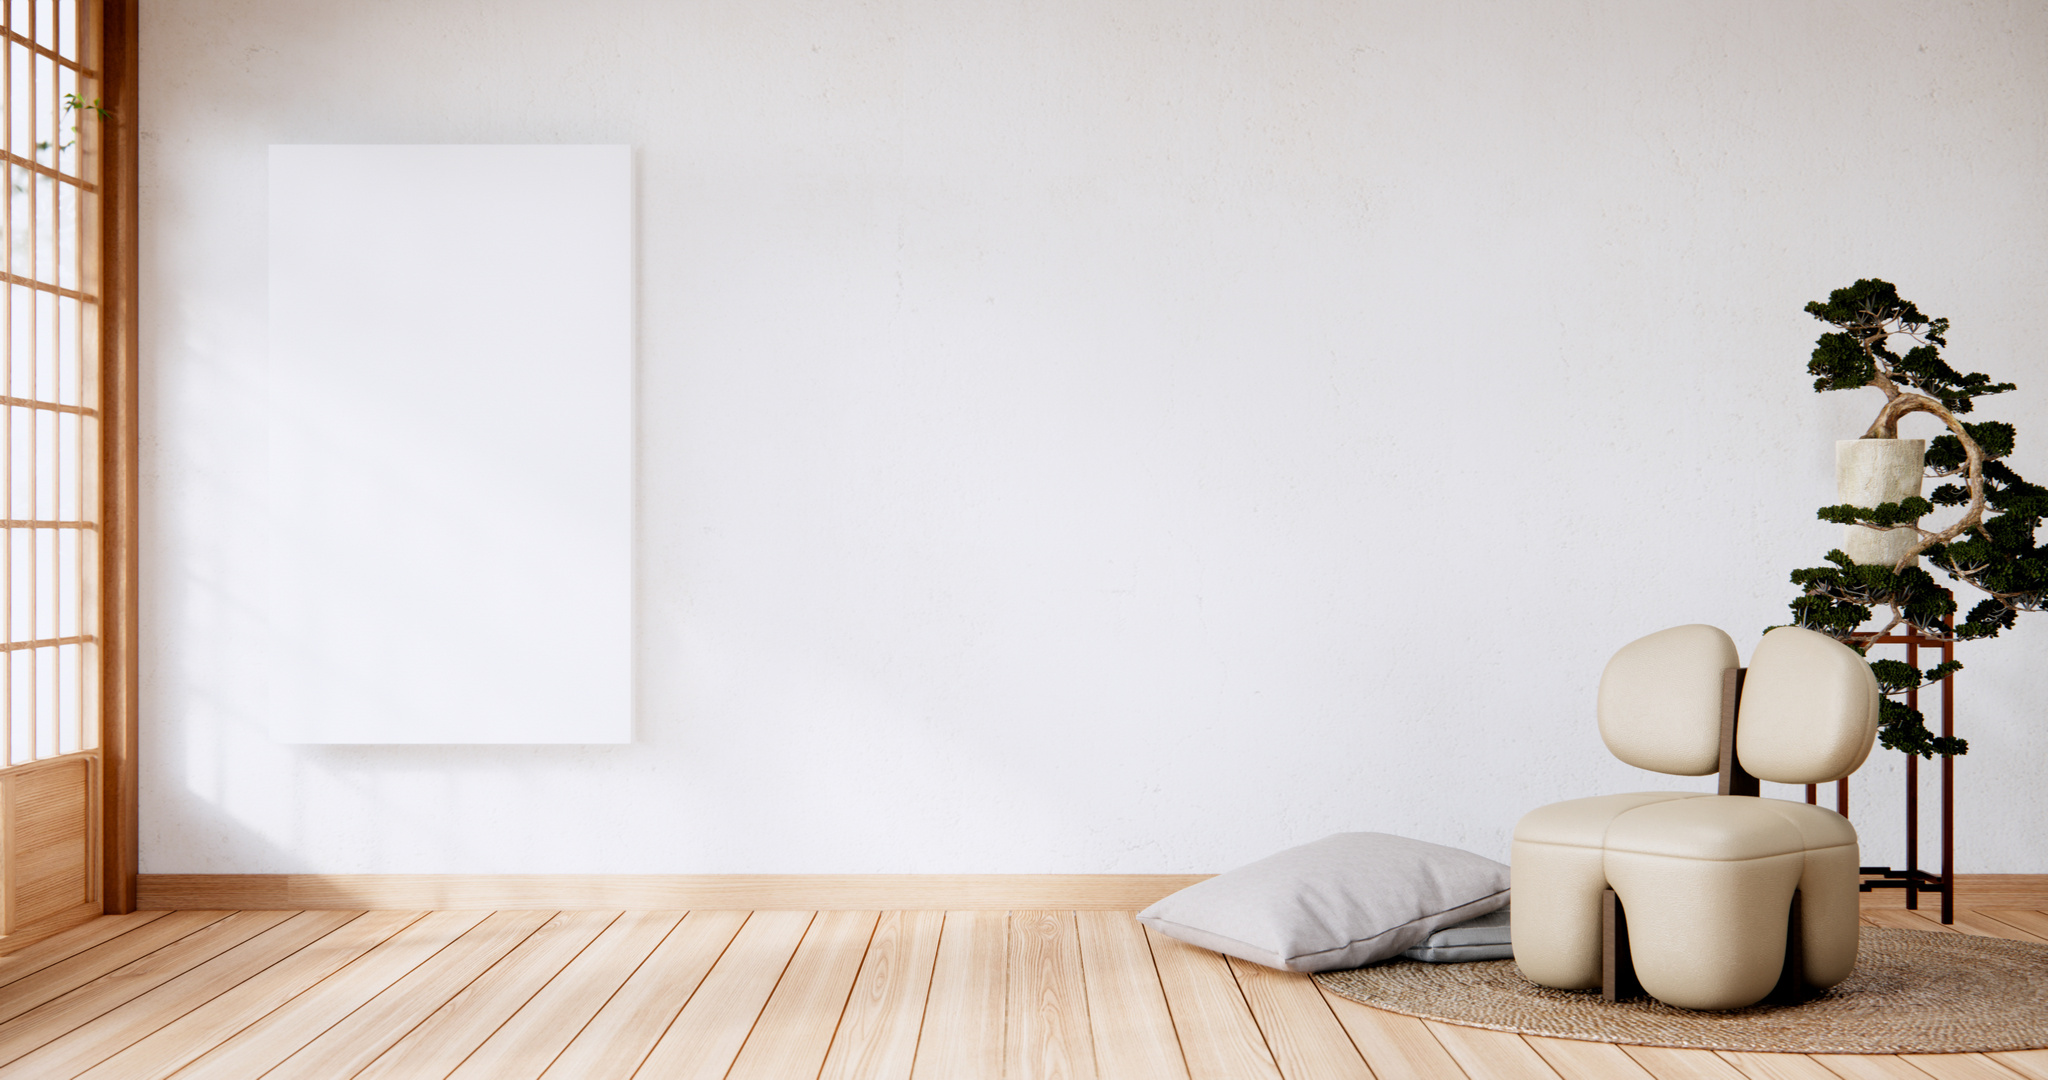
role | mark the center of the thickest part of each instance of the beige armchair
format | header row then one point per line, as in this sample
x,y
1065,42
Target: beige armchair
x,y
1704,885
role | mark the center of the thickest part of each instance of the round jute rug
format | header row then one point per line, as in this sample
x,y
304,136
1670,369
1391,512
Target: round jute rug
x,y
1913,992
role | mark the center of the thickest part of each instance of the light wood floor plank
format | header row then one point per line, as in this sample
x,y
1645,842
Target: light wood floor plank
x,y
529,1042
1218,1034
1967,922
708,1033
877,1037
1666,1063
1959,1066
2032,922
61,977
964,1016
1396,1047
1900,918
1047,1034
1578,1059
1127,1015
1981,925
35,957
738,996
1776,1066
46,1022
1868,1067
1496,1055
259,1047
350,1045
2032,1064
1976,922
192,1035
140,1016
618,1038
796,1028
440,1043
1303,1035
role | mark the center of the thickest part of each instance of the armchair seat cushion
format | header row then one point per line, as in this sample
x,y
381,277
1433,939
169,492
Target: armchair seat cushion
x,y
1706,881
1711,829
1583,822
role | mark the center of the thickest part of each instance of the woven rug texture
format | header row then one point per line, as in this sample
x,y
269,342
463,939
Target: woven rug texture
x,y
1913,992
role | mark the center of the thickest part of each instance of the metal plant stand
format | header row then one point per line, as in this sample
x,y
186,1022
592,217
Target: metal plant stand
x,y
1911,878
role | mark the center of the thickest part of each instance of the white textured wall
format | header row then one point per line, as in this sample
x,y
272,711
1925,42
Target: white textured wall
x,y
1118,437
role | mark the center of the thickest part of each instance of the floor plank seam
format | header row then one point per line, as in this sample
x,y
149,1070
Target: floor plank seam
x,y
1178,1042
1258,1025
15,977
613,996
930,980
1445,1047
1323,996
287,1002
430,1013
841,1021
201,928
226,990
338,1021
545,983
1003,1033
755,1024
102,980
1081,978
692,995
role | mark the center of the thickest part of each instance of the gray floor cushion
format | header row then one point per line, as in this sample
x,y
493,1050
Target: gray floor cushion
x,y
1341,902
1483,938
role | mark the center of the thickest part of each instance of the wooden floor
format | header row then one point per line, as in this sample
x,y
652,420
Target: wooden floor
x,y
774,994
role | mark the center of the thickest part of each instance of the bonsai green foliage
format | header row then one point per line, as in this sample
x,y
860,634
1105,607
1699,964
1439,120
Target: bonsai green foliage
x,y
1998,557
1839,599
1870,313
1991,548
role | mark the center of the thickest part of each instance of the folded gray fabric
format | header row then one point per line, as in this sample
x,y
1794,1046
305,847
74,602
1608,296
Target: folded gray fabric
x,y
1341,902
1483,938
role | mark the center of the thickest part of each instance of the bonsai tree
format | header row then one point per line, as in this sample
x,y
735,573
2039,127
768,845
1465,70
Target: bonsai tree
x,y
1989,547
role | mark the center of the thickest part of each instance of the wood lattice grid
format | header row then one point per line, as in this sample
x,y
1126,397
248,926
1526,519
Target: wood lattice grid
x,y
50,407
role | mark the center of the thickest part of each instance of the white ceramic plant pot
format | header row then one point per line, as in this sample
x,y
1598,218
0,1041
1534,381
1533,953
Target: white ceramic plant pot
x,y
1869,472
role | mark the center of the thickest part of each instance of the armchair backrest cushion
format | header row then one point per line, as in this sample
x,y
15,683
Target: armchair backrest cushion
x,y
1660,700
1809,709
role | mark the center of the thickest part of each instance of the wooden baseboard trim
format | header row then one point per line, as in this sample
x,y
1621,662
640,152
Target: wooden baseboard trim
x,y
610,892
786,892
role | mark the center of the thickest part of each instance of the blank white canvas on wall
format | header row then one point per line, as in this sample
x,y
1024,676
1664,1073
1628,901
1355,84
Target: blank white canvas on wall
x,y
451,444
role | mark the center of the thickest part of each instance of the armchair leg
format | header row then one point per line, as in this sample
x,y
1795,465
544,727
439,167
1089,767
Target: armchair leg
x,y
1792,985
1617,970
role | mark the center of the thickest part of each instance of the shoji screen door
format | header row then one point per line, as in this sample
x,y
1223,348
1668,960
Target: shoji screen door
x,y
54,430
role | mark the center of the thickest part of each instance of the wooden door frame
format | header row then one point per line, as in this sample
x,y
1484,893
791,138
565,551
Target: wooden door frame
x,y
119,334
